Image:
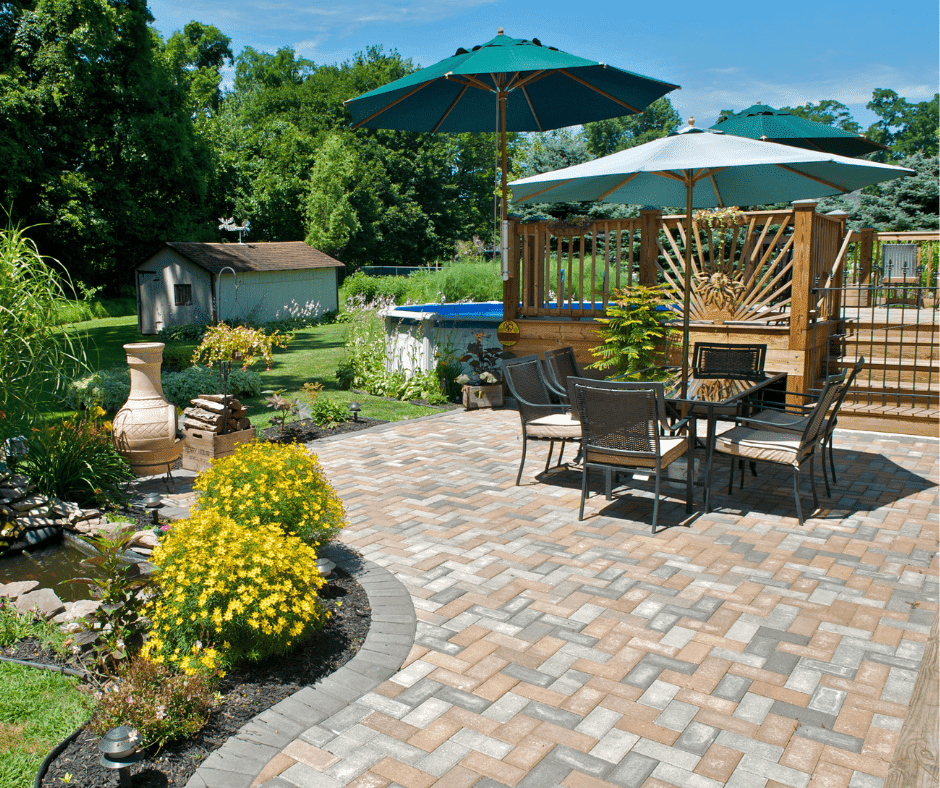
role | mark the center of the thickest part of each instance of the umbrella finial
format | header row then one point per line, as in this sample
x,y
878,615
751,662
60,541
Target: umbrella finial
x,y
499,32
691,121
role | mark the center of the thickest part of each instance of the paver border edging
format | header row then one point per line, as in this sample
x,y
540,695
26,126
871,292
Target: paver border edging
x,y
242,758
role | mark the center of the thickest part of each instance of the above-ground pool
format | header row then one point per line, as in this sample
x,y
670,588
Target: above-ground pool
x,y
417,336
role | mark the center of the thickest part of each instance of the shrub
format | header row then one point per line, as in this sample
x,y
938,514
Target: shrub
x,y
109,388
329,412
75,460
231,591
161,704
191,332
274,484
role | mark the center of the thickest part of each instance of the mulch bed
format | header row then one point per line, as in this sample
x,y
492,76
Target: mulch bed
x,y
246,692
307,430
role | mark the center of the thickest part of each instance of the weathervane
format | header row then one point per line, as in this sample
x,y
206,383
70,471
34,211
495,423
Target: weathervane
x,y
229,224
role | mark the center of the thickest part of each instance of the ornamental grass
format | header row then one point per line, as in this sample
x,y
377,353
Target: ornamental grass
x,y
273,484
231,591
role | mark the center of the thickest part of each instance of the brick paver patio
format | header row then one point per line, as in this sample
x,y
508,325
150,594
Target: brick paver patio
x,y
738,650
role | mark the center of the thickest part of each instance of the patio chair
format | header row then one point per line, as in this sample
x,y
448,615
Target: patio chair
x,y
762,441
715,359
795,417
620,431
542,418
560,365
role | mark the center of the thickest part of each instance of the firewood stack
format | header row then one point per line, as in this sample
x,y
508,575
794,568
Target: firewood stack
x,y
208,412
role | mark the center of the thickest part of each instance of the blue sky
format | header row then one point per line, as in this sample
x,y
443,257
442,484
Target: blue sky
x,y
723,54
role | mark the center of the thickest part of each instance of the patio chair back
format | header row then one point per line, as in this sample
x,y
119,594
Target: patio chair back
x,y
618,425
715,359
658,388
559,366
527,384
832,391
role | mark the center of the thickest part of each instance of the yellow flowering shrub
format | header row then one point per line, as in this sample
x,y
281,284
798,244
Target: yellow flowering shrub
x,y
273,483
229,592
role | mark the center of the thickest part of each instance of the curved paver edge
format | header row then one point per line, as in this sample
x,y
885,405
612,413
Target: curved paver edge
x,y
391,635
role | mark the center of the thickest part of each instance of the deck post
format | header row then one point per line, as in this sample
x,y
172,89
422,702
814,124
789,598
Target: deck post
x,y
801,337
651,220
866,248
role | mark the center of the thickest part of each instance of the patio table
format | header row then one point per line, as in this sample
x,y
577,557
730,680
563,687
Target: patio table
x,y
712,397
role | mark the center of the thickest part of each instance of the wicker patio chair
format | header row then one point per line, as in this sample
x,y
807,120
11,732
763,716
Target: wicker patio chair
x,y
542,418
715,359
620,431
795,417
762,441
560,365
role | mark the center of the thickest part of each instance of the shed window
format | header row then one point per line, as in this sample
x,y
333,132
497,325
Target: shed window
x,y
184,294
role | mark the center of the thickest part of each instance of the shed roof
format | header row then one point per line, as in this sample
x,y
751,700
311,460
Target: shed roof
x,y
269,256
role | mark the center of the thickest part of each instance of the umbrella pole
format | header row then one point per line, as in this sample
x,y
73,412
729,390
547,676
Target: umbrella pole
x,y
502,134
686,296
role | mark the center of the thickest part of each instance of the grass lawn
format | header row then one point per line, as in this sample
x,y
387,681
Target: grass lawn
x,y
313,356
38,708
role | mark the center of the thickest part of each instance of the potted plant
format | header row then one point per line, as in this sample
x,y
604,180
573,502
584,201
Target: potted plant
x,y
483,388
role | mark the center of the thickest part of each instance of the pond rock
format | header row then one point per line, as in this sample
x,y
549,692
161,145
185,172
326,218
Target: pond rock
x,y
17,588
44,600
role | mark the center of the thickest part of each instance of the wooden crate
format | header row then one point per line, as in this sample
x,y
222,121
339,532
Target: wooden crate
x,y
200,447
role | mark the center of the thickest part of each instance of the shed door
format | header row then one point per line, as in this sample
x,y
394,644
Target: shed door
x,y
145,305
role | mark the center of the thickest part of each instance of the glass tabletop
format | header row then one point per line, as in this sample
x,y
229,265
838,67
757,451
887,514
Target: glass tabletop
x,y
719,390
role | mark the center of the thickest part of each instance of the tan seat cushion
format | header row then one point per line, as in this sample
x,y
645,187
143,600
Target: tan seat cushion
x,y
671,449
793,421
760,445
557,425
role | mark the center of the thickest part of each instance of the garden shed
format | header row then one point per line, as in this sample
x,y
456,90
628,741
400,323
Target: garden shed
x,y
186,282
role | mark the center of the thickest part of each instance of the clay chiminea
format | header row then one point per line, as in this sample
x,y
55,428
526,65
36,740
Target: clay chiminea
x,y
145,426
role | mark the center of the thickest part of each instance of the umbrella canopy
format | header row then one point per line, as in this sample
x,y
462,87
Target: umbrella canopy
x,y
704,169
506,84
761,122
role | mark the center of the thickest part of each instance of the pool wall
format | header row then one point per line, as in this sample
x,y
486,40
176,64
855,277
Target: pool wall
x,y
417,336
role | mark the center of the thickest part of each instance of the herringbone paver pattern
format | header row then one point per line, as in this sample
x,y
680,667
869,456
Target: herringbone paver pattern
x,y
738,650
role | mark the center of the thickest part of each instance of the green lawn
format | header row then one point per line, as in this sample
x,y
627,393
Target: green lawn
x,y
38,708
313,356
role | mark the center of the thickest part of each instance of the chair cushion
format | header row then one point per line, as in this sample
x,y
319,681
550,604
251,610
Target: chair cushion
x,y
761,445
793,421
555,425
670,448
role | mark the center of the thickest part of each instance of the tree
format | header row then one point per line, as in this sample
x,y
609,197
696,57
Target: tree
x,y
197,56
909,203
95,138
906,128
604,137
828,111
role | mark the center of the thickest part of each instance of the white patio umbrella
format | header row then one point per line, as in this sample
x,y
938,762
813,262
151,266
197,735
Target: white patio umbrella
x,y
704,169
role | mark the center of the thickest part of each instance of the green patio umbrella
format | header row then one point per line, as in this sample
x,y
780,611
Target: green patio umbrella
x,y
761,122
506,84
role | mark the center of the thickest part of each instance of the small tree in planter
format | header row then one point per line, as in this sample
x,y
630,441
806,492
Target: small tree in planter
x,y
483,388
225,344
635,332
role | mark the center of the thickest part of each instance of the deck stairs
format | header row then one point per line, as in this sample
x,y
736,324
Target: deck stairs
x,y
899,389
